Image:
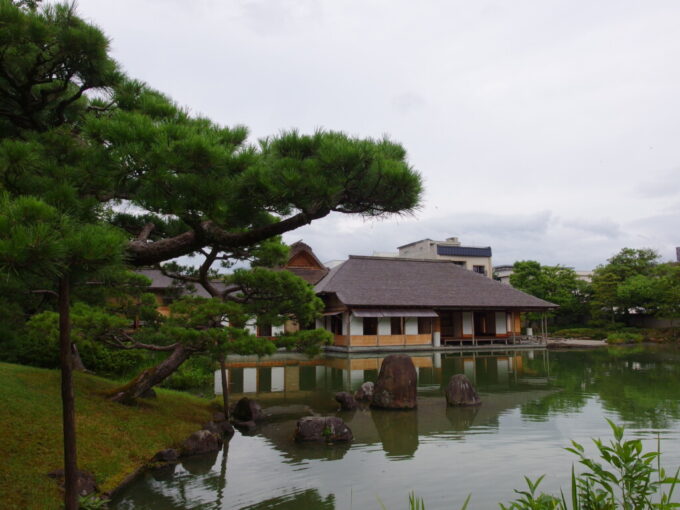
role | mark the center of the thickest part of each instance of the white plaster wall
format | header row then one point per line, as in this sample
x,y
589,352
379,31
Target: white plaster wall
x,y
411,326
218,381
467,323
277,330
345,323
251,327
384,326
320,324
249,380
356,325
277,379
501,323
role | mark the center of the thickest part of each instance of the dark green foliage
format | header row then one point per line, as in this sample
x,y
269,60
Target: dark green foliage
x,y
307,341
276,296
38,347
556,284
588,333
624,338
196,374
622,284
50,58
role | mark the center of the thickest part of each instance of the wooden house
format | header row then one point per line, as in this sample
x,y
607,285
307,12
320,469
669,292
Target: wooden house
x,y
395,301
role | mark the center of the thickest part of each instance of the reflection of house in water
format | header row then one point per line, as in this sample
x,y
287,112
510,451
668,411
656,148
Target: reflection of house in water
x,y
500,378
293,376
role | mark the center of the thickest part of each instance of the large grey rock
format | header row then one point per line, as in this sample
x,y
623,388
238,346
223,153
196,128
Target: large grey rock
x,y
169,455
201,441
461,392
328,429
247,409
223,428
365,392
396,384
219,417
346,401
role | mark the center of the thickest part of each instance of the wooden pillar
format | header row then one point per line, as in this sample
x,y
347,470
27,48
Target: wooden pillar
x,y
474,340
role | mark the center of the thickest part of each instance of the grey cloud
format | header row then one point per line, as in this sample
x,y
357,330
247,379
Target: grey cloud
x,y
604,227
663,184
408,101
268,18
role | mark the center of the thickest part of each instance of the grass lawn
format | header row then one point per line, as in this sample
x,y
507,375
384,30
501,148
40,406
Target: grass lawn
x,y
113,440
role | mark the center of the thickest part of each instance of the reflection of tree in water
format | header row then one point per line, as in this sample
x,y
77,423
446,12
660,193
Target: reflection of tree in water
x,y
308,499
641,385
164,488
398,431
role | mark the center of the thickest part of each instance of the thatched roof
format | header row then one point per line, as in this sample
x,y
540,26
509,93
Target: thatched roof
x,y
401,282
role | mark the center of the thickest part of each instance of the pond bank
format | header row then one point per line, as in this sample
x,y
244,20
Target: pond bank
x,y
113,440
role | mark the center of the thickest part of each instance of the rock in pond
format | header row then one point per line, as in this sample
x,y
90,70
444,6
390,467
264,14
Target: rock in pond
x,y
461,392
169,455
247,409
346,401
245,427
223,428
365,392
327,429
201,441
396,384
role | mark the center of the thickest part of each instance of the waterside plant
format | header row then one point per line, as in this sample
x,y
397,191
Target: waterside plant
x,y
622,477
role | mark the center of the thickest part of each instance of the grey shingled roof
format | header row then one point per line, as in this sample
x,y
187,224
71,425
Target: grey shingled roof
x,y
379,281
161,282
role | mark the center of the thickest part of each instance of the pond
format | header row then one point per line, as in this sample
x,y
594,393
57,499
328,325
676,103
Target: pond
x,y
534,403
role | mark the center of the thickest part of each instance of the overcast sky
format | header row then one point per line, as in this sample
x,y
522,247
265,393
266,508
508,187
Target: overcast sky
x,y
548,130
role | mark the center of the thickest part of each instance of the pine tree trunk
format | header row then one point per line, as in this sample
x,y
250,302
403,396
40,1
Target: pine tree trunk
x,y
129,393
225,386
67,399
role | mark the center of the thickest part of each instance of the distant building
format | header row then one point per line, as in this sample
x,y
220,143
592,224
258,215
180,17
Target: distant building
x,y
503,273
473,258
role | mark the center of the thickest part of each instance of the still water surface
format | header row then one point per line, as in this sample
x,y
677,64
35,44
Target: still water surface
x,y
534,403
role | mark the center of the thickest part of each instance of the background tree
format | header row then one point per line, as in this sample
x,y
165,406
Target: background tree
x,y
622,285
557,284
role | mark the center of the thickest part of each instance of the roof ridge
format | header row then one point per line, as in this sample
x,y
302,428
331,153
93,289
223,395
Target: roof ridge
x,y
400,259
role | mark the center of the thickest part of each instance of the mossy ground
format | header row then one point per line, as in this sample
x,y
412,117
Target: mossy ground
x,y
113,439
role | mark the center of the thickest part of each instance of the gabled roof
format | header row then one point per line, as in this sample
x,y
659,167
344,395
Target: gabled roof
x,y
304,263
402,282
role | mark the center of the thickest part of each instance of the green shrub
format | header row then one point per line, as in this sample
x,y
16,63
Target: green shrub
x,y
194,374
589,333
35,349
112,362
624,338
